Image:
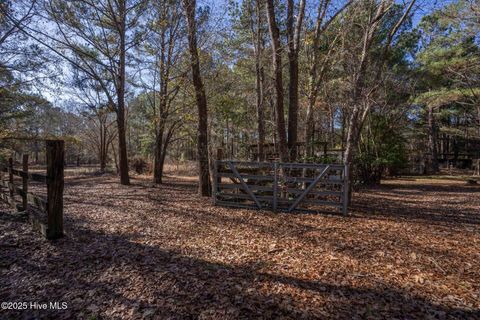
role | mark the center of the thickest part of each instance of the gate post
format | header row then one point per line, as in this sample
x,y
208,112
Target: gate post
x,y
55,182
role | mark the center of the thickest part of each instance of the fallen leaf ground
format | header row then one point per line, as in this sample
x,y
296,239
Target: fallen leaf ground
x,y
410,249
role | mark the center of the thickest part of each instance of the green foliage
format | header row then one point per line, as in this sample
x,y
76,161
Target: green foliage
x,y
320,159
382,148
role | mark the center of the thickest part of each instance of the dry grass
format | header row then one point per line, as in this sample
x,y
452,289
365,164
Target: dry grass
x,y
410,249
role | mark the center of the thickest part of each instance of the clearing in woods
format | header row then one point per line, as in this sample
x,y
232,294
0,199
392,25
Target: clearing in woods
x,y
410,248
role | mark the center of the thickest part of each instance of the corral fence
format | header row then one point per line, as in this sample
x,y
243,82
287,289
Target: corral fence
x,y
281,186
46,214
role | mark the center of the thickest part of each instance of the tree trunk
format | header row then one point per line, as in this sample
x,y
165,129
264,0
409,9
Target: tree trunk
x,y
163,153
278,79
313,84
260,83
122,143
157,162
355,121
293,34
202,135
432,139
103,141
122,149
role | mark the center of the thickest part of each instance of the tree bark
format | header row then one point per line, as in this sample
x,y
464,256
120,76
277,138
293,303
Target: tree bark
x,y
101,147
313,82
293,34
122,143
260,83
202,134
278,79
432,141
359,111
157,162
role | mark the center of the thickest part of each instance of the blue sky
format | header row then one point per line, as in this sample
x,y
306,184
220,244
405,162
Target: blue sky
x,y
219,17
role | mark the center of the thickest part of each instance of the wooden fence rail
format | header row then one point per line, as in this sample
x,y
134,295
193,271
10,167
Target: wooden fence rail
x,y
280,186
37,206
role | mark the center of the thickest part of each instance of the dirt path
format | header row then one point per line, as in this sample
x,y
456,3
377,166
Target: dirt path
x,y
410,250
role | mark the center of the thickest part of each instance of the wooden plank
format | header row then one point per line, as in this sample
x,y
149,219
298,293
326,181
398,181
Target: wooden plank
x,y
232,186
246,176
32,176
302,179
287,165
242,196
334,179
309,188
244,185
316,193
34,200
309,166
55,185
268,165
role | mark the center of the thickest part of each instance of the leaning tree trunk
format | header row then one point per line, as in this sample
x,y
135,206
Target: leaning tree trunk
x,y
278,79
202,136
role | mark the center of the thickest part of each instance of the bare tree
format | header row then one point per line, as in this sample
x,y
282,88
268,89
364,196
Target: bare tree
x,y
278,79
95,37
163,46
361,94
99,113
202,133
318,67
293,35
256,28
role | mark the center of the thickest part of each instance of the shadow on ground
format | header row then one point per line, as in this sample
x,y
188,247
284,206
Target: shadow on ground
x,y
98,274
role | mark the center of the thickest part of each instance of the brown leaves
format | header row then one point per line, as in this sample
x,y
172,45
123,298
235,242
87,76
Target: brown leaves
x,y
135,252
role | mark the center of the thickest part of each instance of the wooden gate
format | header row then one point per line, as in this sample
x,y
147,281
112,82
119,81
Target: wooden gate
x,y
46,215
281,186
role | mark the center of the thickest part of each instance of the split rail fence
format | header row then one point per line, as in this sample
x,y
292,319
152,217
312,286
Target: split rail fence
x,y
281,186
46,215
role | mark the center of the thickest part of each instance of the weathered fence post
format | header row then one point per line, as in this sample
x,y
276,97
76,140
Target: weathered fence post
x,y
55,176
10,182
25,182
